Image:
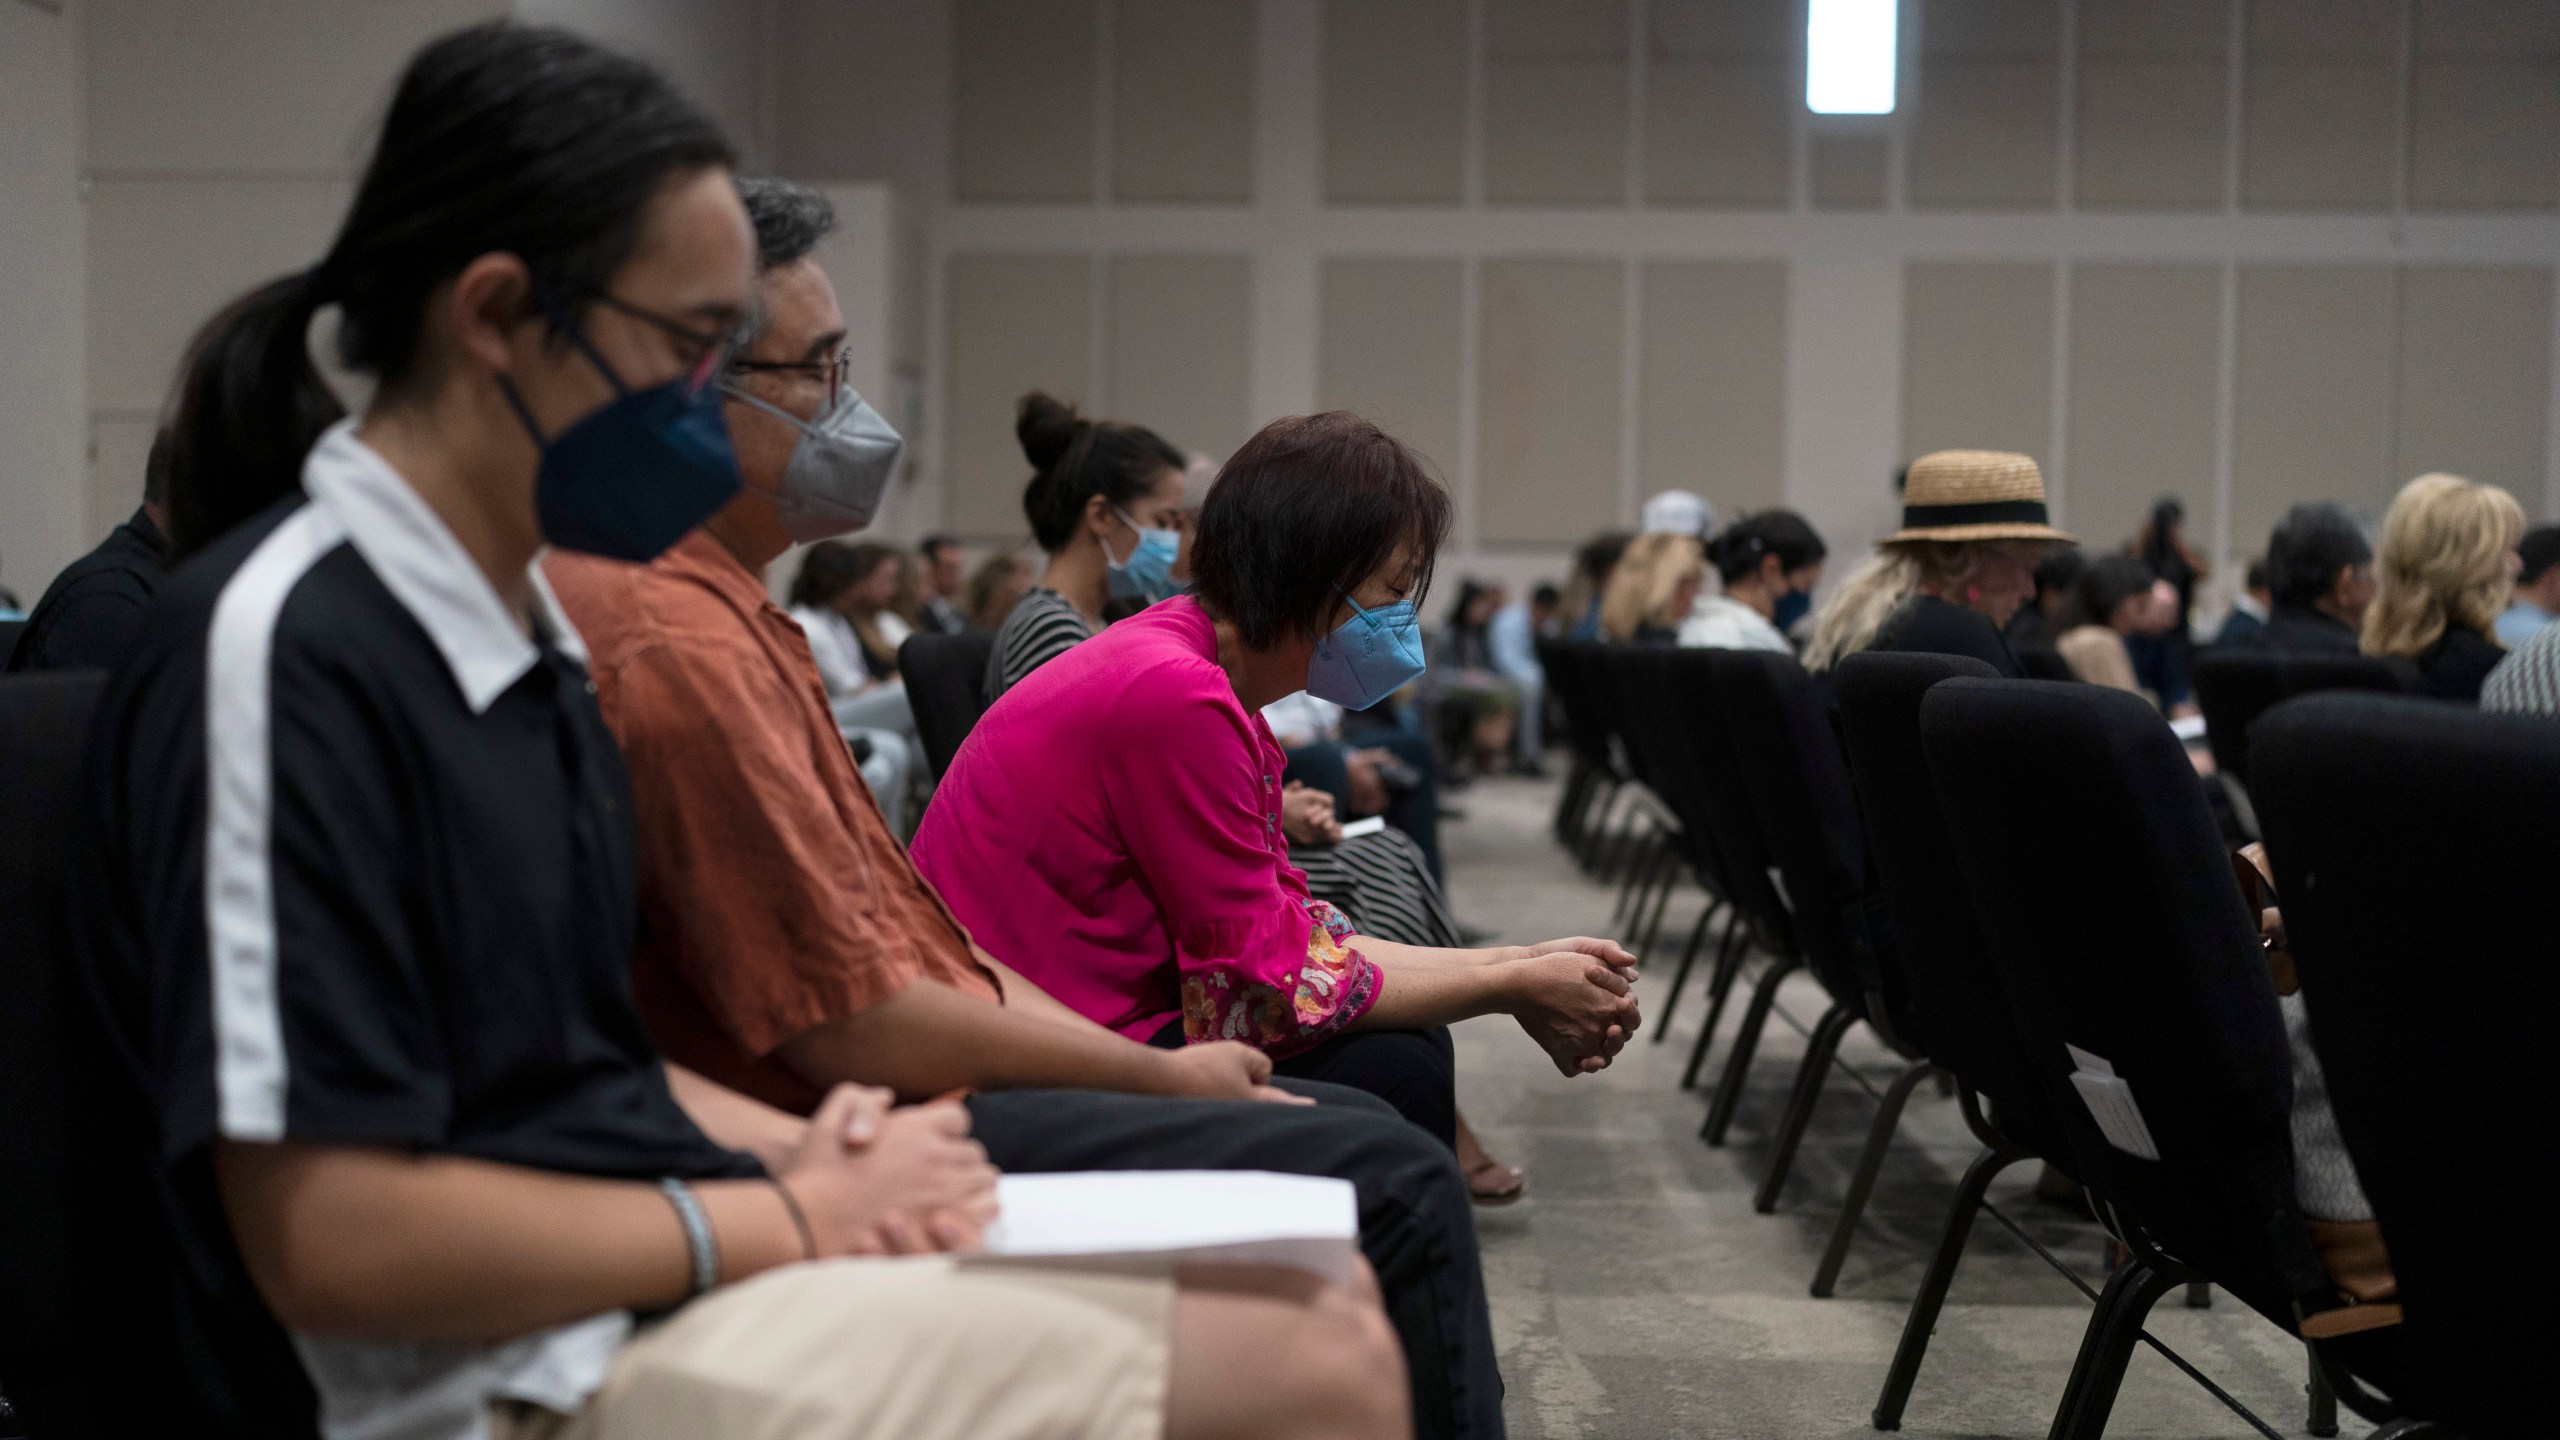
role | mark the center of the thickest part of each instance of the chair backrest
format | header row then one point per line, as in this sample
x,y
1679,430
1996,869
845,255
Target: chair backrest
x,y
2234,686
1724,796
2408,840
1655,730
2112,918
942,674
1781,728
1569,679
43,722
1954,994
10,630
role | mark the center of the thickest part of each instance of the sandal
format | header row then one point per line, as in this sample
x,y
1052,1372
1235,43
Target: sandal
x,y
1492,1183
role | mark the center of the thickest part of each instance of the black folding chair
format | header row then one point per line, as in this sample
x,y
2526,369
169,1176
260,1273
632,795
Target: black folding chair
x,y
943,675
60,1340
1782,728
2135,977
2234,686
1656,729
1763,922
10,630
1592,778
2420,909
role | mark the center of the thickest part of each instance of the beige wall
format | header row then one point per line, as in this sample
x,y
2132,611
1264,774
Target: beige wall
x,y
1200,207
42,524
1580,252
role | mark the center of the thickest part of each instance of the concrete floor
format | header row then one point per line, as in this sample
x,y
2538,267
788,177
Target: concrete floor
x,y
1636,1294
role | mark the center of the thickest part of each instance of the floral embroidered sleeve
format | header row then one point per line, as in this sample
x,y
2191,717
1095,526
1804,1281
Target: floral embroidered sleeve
x,y
1258,960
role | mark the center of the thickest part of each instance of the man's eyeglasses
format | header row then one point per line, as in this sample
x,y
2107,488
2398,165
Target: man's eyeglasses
x,y
831,370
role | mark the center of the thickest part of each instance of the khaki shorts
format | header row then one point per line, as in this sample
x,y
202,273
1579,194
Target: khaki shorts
x,y
910,1349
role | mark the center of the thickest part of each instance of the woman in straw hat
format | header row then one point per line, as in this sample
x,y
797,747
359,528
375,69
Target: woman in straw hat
x,y
1973,527
2445,569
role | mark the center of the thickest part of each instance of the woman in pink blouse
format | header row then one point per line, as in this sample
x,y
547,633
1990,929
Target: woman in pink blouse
x,y
1113,823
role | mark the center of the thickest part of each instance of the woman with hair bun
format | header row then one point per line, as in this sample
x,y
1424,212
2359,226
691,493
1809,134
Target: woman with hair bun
x,y
1105,503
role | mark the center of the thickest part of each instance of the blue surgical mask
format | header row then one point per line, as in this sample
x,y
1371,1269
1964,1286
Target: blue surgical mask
x,y
1148,572
1368,657
1791,607
837,472
632,478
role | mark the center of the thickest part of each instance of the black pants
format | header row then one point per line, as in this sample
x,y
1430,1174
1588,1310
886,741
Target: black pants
x,y
1416,1223
1416,1071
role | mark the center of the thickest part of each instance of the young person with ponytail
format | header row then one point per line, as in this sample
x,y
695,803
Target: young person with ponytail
x,y
356,890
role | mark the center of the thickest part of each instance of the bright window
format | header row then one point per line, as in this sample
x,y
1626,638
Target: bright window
x,y
1849,57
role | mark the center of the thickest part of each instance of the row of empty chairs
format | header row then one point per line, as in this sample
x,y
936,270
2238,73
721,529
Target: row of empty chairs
x,y
2020,884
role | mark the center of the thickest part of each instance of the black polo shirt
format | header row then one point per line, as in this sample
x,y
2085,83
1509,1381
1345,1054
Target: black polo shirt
x,y
363,873
92,610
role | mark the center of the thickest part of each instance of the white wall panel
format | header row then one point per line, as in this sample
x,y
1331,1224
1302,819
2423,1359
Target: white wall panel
x,y
43,521
297,86
2152,125
1977,358
708,47
1987,122
1182,100
1395,100
1012,323
1721,86
2320,105
165,254
2314,416
2475,374
1390,348
2146,391
1025,75
1177,347
1713,402
1556,95
2484,100
1547,409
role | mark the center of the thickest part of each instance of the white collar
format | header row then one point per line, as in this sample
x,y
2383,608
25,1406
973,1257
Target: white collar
x,y
429,572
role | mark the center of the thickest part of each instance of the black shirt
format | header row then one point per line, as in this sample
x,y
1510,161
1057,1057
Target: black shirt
x,y
362,872
1929,625
2457,664
90,612
2301,630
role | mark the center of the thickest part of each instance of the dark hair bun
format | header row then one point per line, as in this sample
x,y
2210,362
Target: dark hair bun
x,y
1046,426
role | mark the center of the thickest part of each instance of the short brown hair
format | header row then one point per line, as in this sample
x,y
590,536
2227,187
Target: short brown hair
x,y
1306,511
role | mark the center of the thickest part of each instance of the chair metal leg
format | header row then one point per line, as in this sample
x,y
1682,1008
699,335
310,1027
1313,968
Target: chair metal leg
x,y
1638,857
1680,977
1729,957
2323,1420
2200,1295
1861,1184
1932,1297
1737,1066
1651,931
1816,1068
2115,1327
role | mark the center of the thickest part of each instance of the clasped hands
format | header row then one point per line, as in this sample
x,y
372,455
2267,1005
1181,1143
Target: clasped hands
x,y
873,1179
1576,998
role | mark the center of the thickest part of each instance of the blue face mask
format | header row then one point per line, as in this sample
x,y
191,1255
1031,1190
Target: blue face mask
x,y
1791,607
631,479
1369,657
1148,572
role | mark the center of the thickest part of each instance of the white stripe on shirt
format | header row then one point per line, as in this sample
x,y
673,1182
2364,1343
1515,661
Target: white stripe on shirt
x,y
239,886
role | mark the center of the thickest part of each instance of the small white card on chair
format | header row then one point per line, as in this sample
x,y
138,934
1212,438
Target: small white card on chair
x,y
1147,1219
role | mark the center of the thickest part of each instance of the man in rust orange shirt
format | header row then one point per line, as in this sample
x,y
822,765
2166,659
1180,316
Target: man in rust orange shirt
x,y
787,944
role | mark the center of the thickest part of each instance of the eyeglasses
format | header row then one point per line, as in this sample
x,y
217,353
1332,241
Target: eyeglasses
x,y
706,354
832,370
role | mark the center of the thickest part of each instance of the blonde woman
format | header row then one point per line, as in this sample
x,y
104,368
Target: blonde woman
x,y
2445,570
1973,527
1650,592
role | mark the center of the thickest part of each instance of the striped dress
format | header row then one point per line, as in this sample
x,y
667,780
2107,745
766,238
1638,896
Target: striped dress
x,y
1379,880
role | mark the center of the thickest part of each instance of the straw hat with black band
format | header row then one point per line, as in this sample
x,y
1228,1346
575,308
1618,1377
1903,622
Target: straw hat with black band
x,y
1955,495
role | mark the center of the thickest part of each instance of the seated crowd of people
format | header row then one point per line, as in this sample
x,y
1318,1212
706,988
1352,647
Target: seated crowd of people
x,y
499,918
